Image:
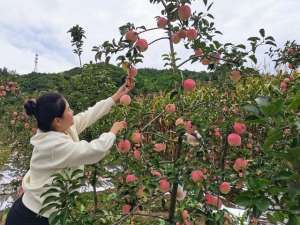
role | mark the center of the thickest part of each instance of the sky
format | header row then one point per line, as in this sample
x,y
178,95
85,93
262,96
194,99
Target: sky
x,y
40,26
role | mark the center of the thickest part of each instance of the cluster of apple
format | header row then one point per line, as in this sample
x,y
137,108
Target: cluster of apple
x,y
8,87
284,84
23,118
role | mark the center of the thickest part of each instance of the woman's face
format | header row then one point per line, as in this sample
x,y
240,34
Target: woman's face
x,y
66,121
68,116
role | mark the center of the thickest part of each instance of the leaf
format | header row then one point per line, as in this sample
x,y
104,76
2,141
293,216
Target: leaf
x,y
53,218
107,59
217,44
274,108
262,204
272,136
173,94
270,38
276,217
253,118
263,101
295,102
293,154
297,124
241,46
251,109
262,32
253,58
50,191
283,176
244,199
47,208
227,44
77,172
211,4
218,32
210,16
271,43
257,183
294,220
253,39
50,199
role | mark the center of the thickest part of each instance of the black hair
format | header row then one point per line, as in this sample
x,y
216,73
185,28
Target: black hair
x,y
45,109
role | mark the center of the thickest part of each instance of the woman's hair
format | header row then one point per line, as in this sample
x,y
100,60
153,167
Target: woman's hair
x,y
45,109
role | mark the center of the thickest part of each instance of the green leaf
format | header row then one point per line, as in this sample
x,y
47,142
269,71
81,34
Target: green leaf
x,y
257,183
295,102
241,46
244,199
227,44
283,176
262,32
272,136
50,199
253,39
208,8
251,109
271,43
48,207
210,16
217,44
270,38
294,220
53,218
294,188
173,94
50,191
77,172
253,58
293,154
262,204
274,108
263,101
276,217
297,124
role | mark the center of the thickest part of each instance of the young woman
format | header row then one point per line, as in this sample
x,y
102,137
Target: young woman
x,y
57,146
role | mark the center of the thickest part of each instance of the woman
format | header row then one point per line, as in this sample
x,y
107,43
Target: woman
x,y
57,146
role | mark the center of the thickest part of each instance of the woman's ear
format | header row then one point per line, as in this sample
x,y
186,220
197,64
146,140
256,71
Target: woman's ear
x,y
56,123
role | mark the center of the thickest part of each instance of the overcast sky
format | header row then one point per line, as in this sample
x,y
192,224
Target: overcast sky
x,y
40,26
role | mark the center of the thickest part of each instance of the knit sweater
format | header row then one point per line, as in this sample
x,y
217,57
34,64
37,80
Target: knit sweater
x,y
54,151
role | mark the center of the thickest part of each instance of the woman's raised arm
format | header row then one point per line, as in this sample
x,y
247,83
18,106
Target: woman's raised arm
x,y
92,114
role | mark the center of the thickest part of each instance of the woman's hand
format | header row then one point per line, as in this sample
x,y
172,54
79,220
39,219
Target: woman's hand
x,y
123,90
118,126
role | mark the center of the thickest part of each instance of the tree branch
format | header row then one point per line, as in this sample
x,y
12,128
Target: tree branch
x,y
209,57
132,212
155,28
173,61
148,215
158,40
148,124
159,136
175,184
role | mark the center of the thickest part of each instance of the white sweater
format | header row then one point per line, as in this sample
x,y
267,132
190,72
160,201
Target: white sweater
x,y
54,151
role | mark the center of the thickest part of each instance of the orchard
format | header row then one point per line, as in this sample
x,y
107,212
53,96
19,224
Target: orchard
x,y
192,153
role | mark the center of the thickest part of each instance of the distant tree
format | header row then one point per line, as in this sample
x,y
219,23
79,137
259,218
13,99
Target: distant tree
x,y
77,34
5,71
